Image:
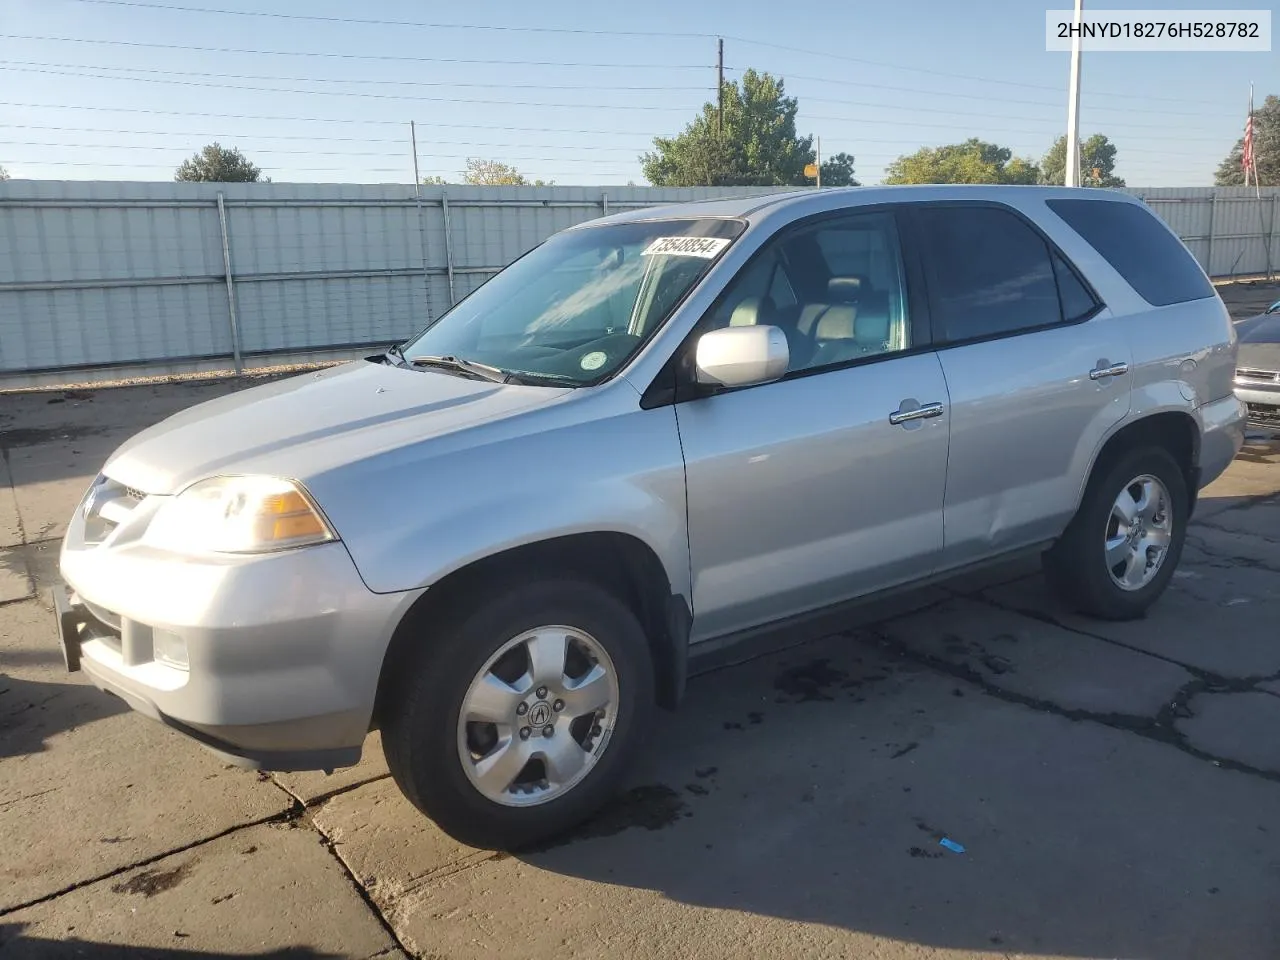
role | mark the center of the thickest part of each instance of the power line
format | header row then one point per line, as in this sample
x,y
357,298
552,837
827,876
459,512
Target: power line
x,y
617,33
464,126
277,117
884,64
307,153
855,147
369,21
360,56
986,98
578,106
344,93
165,166
309,137
218,135
14,64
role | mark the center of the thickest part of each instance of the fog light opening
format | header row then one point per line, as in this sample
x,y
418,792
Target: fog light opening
x,y
169,649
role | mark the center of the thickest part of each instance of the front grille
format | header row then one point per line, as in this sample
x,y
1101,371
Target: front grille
x,y
1264,414
106,506
109,620
1254,375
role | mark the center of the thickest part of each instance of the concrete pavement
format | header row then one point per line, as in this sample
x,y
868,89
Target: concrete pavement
x,y
1114,787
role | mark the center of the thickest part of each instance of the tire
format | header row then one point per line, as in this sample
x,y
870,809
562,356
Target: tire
x,y
433,754
1077,565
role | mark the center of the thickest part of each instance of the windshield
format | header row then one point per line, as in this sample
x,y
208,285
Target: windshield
x,y
578,307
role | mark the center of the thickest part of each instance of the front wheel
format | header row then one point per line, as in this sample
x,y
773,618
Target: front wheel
x,y
1119,552
518,718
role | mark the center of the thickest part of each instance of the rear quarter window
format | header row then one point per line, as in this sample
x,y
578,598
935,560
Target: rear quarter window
x,y
1130,238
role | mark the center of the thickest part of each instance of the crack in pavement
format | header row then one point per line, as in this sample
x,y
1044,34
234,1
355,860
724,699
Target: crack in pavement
x,y
1216,681
331,846
29,796
285,816
1229,560
1159,728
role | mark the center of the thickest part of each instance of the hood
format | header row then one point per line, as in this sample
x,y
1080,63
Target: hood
x,y
1259,347
309,424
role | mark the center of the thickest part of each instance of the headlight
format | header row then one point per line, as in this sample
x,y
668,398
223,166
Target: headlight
x,y
238,515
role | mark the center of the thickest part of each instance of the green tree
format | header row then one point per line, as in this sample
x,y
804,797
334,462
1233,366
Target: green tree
x,y
434,181
1266,149
1097,153
216,163
838,171
758,147
492,173
974,161
4,174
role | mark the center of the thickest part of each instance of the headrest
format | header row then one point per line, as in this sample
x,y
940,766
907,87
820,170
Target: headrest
x,y
872,328
838,323
753,311
846,289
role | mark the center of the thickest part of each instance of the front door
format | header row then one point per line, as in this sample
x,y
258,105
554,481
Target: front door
x,y
829,483
1036,369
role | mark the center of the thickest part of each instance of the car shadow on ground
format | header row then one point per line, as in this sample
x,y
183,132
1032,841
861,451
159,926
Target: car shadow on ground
x,y
56,435
32,712
818,787
14,946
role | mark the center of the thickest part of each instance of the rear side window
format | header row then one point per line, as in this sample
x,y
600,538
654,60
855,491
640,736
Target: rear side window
x,y
989,273
1150,258
1077,301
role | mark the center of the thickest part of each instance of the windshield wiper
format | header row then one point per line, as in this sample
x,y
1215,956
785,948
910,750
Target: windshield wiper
x,y
481,370
527,379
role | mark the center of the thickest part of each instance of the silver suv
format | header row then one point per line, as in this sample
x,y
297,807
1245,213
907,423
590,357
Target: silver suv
x,y
502,542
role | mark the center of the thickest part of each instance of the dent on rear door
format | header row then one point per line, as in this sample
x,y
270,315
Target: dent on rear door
x,y
1026,422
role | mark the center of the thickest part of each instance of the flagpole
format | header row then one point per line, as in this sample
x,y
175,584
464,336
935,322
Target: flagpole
x,y
1257,188
1072,178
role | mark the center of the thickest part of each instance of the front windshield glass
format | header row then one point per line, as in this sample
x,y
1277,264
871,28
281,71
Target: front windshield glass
x,y
577,308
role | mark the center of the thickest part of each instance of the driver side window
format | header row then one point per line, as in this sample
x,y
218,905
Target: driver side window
x,y
835,288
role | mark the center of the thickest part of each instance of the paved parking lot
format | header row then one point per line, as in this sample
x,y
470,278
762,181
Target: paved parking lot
x,y
1114,787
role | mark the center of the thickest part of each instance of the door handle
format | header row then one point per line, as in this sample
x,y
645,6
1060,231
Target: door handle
x,y
925,412
1115,370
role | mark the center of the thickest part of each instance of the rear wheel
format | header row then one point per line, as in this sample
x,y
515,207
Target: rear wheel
x,y
1119,552
519,718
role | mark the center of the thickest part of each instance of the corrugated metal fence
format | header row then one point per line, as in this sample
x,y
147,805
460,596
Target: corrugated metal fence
x,y
1231,232
104,279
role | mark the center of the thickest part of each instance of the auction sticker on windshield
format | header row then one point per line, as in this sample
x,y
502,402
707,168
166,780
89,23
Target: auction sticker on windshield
x,y
705,247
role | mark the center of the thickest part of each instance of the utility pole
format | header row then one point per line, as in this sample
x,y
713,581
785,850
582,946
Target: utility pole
x,y
819,164
413,138
1073,103
720,87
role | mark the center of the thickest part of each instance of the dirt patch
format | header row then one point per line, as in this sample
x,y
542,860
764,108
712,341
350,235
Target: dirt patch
x,y
30,436
650,807
810,681
150,882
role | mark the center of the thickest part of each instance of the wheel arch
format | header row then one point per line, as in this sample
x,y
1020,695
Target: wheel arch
x,y
1173,430
619,562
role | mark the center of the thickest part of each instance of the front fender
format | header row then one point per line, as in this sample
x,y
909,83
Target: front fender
x,y
410,517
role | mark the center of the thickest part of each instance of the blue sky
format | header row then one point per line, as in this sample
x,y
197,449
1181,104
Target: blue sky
x,y
874,80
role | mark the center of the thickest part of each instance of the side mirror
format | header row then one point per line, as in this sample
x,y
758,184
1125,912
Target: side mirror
x,y
1274,308
742,356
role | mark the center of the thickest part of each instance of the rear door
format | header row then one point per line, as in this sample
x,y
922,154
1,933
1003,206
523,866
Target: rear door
x,y
1036,368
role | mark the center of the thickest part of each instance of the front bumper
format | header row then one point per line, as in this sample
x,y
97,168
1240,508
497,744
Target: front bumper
x,y
1263,404
283,650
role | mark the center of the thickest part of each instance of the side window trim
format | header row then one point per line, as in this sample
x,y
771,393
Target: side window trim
x,y
937,336
675,383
